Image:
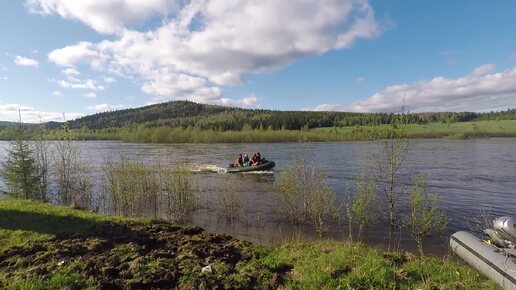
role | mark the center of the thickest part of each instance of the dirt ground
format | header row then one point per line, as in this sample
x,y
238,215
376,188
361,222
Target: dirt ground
x,y
155,255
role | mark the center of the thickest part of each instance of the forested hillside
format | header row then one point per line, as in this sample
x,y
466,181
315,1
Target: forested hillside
x,y
185,114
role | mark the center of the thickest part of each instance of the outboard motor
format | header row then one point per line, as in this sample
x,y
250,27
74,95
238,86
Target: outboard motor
x,y
503,232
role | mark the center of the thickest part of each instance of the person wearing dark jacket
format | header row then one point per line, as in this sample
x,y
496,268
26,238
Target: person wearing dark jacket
x,y
239,161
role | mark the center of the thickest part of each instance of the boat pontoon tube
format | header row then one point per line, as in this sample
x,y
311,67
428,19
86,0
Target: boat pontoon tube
x,y
487,259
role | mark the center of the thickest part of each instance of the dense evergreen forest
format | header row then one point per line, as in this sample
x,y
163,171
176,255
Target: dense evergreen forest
x,y
185,114
183,121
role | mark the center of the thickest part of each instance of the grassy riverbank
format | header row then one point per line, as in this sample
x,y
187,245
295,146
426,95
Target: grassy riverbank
x,y
164,134
459,130
53,247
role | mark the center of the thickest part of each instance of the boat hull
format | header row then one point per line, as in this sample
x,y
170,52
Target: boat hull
x,y
267,165
487,259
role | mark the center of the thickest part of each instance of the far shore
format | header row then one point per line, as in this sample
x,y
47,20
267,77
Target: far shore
x,y
142,134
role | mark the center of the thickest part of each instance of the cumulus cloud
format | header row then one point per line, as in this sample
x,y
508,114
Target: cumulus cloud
x,y
482,89
106,16
206,44
105,107
70,72
25,61
88,84
9,112
82,52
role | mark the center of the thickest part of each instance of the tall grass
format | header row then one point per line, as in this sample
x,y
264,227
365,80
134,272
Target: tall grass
x,y
135,188
178,193
305,195
229,203
126,185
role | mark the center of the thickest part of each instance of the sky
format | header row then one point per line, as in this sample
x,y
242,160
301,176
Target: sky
x,y
63,59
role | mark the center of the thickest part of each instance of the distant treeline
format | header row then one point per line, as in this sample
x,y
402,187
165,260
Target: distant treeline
x,y
184,114
184,121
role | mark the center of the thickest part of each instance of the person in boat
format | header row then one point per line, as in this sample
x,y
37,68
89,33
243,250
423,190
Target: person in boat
x,y
253,159
239,161
256,159
246,160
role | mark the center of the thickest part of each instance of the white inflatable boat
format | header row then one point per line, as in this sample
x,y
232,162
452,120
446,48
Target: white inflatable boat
x,y
495,257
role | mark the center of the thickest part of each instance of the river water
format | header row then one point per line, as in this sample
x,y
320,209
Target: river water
x,y
472,177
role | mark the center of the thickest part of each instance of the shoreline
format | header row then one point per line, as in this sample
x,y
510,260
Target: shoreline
x,y
95,251
174,135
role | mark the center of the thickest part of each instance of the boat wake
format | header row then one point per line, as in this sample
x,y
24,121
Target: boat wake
x,y
258,172
216,169
208,168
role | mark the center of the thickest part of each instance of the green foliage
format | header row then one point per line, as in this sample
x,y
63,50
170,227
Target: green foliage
x,y
42,229
388,153
20,170
305,194
126,184
288,186
42,154
179,193
335,265
72,173
229,206
184,121
363,209
426,216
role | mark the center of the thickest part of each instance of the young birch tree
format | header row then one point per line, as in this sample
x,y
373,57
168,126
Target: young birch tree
x,y
426,216
388,155
71,170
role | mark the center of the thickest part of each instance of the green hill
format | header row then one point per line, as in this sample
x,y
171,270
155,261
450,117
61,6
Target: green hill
x,y
185,114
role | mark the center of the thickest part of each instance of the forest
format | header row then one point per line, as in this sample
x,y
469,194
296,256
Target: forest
x,y
165,122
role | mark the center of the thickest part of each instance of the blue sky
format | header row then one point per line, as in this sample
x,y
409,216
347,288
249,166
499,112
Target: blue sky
x,y
82,57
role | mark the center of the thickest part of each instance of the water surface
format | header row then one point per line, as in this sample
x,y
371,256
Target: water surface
x,y
470,176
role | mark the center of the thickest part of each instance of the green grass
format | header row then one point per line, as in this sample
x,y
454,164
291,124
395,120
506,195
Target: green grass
x,y
462,130
24,222
336,265
54,247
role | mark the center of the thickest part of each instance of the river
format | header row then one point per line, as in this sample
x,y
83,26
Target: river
x,y
472,177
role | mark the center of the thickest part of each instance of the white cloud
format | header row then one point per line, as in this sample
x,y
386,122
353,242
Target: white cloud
x,y
70,72
105,107
57,93
109,80
360,80
25,61
9,112
206,44
88,84
90,95
82,52
247,102
482,89
4,78
106,16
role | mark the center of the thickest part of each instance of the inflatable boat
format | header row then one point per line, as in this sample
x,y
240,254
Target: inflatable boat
x,y
263,166
494,256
